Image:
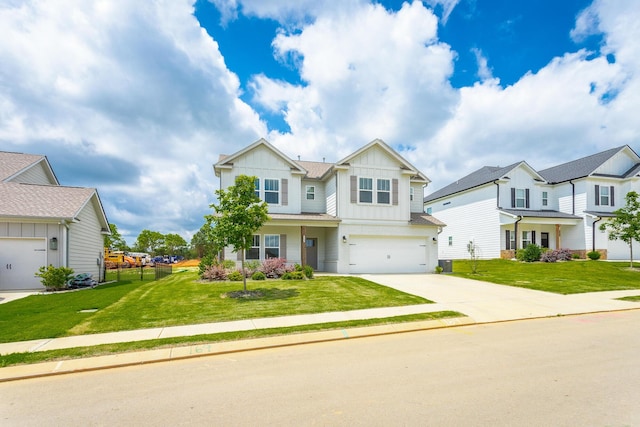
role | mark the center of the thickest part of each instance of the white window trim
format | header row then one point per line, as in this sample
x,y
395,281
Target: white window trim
x,y
608,195
378,180
522,199
360,189
526,237
264,191
265,238
312,193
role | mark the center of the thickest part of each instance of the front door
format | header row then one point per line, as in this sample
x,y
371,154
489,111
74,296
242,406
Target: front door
x,y
312,252
544,240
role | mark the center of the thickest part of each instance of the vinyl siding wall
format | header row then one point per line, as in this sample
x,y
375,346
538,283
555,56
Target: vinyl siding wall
x,y
86,242
34,175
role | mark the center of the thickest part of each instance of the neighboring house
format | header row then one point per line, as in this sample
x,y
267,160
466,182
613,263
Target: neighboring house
x,y
42,223
502,209
363,214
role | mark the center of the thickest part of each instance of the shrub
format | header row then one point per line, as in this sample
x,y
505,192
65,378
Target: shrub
x,y
235,276
258,275
549,256
215,272
251,266
308,271
438,269
529,254
54,278
575,255
275,267
564,254
205,262
594,255
229,264
293,275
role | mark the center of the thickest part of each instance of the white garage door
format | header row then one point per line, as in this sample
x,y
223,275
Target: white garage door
x,y
619,250
369,254
20,259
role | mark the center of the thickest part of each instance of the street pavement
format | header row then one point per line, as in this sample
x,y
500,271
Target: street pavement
x,y
480,302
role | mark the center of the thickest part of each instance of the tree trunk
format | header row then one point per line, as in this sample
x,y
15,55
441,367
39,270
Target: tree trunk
x,y
631,254
244,276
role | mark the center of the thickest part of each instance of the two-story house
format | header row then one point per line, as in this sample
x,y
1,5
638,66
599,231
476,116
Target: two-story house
x,y
502,209
362,214
43,223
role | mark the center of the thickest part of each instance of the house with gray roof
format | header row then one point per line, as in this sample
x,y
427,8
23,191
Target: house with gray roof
x,y
362,214
502,209
43,223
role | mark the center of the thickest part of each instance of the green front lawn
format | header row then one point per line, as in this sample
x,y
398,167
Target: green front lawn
x,y
569,277
180,299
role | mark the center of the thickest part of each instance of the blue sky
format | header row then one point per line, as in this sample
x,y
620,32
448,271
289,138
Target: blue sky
x,y
138,99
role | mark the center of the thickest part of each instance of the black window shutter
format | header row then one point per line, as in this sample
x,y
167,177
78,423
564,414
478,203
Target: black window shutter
x,y
507,242
513,197
526,195
612,204
597,195
533,237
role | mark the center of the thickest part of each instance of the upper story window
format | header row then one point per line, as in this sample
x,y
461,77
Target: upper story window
x,y
383,196
429,210
365,190
604,195
254,251
411,191
272,191
311,192
257,184
545,198
520,198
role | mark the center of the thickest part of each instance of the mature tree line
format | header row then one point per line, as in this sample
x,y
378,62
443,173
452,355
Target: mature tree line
x,y
151,242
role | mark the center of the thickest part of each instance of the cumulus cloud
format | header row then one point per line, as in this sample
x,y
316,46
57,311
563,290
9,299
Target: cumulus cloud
x,y
137,90
366,73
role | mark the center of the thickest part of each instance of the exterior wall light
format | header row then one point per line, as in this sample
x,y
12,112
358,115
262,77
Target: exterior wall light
x,y
53,243
344,239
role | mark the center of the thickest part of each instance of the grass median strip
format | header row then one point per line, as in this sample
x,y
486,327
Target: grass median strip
x,y
101,350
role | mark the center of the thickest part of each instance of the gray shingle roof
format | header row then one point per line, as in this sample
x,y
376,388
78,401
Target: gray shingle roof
x,y
578,168
12,163
480,177
42,201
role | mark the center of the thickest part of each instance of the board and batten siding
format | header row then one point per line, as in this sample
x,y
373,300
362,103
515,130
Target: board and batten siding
x,y
34,175
86,242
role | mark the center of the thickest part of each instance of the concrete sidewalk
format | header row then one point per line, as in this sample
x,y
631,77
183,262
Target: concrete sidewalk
x,y
481,302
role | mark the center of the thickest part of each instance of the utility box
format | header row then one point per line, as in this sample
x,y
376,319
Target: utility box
x,y
446,265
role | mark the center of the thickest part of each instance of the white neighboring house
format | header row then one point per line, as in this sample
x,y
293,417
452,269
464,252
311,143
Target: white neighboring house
x,y
504,208
42,223
363,214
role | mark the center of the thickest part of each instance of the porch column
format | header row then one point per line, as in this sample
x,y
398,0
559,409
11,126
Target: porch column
x,y
303,245
557,236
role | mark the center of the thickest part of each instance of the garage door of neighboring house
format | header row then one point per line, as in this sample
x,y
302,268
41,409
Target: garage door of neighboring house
x,y
369,254
20,259
619,250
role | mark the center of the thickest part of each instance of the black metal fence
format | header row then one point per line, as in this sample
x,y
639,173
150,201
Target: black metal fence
x,y
162,270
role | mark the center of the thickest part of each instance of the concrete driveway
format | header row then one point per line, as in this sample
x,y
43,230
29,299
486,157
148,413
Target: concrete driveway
x,y
488,302
6,296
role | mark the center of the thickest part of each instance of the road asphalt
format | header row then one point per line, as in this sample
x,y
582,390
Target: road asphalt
x,y
480,302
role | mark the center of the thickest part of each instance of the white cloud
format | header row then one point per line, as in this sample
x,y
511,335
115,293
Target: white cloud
x,y
109,82
367,73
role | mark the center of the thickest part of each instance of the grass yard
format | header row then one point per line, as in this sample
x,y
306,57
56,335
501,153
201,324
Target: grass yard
x,y
180,299
569,277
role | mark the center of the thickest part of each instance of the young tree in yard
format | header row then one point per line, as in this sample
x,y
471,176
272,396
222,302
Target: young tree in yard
x,y
149,241
238,214
115,240
625,225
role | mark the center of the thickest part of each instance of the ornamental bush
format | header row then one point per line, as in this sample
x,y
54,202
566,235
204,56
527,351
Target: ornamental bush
x,y
215,272
531,253
293,275
258,275
594,255
273,268
54,278
235,276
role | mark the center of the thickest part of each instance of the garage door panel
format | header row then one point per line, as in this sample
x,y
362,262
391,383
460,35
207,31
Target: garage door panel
x,y
20,259
370,254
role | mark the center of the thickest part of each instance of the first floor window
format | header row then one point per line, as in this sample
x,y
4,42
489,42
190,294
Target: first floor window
x,y
526,239
272,246
510,241
365,190
254,251
384,191
272,191
411,190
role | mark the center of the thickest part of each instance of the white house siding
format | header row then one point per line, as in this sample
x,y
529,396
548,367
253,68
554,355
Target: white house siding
x,y
86,242
564,195
417,204
617,165
330,195
34,175
471,215
332,250
373,211
264,164
319,203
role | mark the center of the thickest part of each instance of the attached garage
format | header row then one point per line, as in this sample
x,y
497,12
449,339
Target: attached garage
x,y
376,254
20,259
